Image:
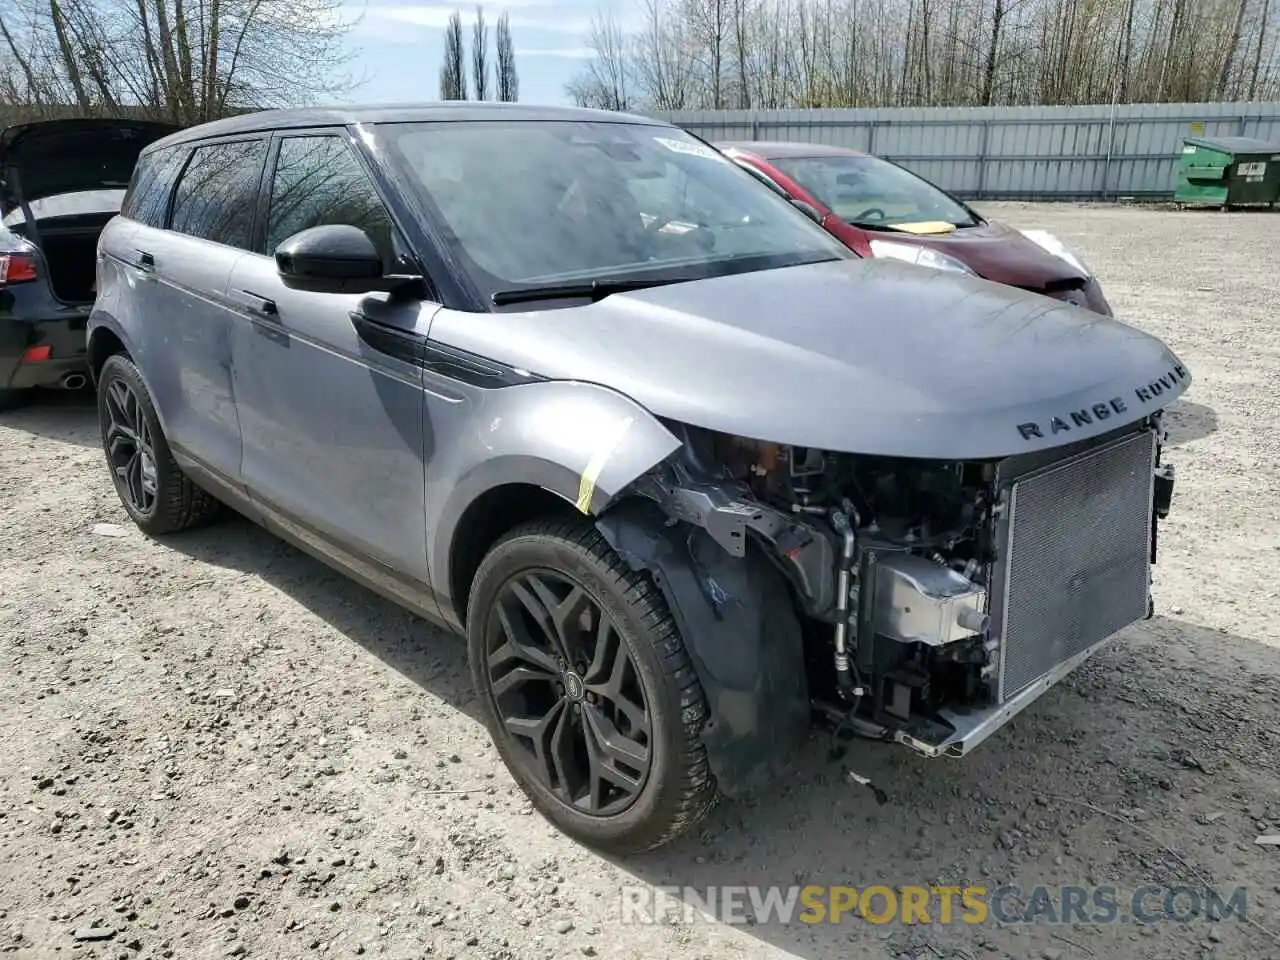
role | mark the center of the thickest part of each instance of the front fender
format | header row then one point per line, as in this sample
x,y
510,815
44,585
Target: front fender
x,y
580,441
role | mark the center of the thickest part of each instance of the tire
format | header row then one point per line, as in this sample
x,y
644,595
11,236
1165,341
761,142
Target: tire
x,y
678,789
11,398
175,503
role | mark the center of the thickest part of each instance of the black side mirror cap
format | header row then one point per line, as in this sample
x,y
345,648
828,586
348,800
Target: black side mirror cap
x,y
337,258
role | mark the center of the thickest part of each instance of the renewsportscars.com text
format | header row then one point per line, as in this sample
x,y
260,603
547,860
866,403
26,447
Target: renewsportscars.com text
x,y
936,904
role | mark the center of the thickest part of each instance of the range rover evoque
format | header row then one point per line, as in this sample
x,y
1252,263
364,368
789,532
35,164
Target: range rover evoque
x,y
686,472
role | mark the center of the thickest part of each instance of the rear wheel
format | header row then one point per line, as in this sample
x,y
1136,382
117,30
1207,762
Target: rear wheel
x,y
587,688
156,494
10,398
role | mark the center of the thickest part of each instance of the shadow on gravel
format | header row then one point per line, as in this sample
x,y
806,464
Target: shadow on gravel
x,y
434,659
1177,722
1187,422
1134,730
67,416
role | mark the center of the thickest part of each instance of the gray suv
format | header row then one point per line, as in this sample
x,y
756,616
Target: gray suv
x,y
688,474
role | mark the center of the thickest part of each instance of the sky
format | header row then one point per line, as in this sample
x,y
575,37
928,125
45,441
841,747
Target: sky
x,y
398,45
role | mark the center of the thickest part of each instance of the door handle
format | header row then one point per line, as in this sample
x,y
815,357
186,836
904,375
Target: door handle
x,y
146,262
263,306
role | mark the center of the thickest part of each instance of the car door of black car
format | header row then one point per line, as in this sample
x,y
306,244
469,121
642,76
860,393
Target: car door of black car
x,y
332,426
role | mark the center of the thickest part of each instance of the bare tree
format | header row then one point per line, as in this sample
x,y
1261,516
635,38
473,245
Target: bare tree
x,y
453,69
174,60
603,83
508,81
838,53
480,56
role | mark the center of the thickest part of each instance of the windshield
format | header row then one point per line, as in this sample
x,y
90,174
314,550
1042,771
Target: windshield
x,y
870,192
529,203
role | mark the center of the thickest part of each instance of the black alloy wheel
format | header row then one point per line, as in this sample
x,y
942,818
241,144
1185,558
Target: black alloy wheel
x,y
587,689
156,494
130,452
567,690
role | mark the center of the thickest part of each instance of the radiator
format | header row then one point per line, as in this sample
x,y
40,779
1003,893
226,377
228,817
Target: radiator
x,y
1075,565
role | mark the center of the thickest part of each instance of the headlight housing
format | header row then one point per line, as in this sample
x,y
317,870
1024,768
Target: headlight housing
x,y
913,253
1050,244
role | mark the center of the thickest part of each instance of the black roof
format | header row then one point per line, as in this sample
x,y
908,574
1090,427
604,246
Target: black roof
x,y
299,117
776,149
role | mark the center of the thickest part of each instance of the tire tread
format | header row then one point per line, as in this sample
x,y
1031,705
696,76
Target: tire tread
x,y
697,794
183,505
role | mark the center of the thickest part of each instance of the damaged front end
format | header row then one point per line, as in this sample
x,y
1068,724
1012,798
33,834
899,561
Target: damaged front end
x,y
917,601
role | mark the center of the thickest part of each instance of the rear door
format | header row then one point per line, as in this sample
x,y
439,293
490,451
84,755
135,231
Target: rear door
x,y
189,318
332,422
126,288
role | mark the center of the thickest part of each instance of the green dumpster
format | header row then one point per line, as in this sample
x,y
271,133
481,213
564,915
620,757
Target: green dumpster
x,y
1226,171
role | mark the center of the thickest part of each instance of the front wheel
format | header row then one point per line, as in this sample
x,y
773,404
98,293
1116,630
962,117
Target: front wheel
x,y
587,689
156,494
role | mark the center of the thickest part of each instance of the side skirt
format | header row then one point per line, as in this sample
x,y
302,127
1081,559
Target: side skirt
x,y
406,592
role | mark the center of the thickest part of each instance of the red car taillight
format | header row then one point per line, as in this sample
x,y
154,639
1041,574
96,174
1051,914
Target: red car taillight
x,y
17,268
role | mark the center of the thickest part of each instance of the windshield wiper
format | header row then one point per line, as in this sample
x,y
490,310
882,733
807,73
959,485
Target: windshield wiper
x,y
595,290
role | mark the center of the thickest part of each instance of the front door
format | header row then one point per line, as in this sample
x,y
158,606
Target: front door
x,y
332,426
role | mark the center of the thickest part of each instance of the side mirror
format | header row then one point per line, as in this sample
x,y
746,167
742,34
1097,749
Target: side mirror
x,y
807,209
335,258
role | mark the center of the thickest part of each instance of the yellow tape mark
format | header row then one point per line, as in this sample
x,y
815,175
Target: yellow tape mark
x,y
587,486
932,226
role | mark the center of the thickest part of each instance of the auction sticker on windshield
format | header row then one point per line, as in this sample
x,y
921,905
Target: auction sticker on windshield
x,y
692,149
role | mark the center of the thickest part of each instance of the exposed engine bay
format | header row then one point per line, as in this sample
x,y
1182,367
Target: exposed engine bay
x,y
935,599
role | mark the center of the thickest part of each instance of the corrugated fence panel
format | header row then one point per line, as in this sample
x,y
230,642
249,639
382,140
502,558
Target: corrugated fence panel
x,y
1069,153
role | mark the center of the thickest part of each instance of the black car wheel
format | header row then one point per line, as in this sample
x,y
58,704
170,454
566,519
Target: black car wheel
x,y
587,688
157,495
10,398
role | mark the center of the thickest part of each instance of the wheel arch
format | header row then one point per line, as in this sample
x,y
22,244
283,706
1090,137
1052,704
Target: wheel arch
x,y
543,446
485,521
106,339
104,342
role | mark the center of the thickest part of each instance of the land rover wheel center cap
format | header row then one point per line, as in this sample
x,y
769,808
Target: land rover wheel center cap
x,y
574,688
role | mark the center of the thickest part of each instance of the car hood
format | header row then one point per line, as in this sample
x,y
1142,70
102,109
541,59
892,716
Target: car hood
x,y
1000,253
864,356
52,157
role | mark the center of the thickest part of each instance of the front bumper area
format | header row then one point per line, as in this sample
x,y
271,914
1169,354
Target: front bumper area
x,y
973,727
67,357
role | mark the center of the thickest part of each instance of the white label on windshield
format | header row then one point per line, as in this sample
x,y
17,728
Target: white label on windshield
x,y
691,147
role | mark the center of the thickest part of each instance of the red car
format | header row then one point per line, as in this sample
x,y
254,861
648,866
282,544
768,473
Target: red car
x,y
880,209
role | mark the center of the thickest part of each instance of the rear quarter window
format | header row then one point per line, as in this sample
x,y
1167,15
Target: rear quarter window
x,y
147,199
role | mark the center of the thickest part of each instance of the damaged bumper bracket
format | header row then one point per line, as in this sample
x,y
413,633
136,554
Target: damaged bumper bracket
x,y
807,558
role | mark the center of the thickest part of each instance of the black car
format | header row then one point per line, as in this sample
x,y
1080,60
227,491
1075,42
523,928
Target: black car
x,y
60,182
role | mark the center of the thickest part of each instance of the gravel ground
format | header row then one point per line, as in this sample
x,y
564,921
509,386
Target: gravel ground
x,y
217,747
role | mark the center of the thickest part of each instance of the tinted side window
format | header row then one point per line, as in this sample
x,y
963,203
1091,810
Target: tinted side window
x,y
218,193
318,181
147,199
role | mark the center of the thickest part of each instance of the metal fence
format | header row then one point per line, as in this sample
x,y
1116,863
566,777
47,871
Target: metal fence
x,y
1023,153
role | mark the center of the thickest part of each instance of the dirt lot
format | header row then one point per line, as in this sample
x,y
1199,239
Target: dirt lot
x,y
216,747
